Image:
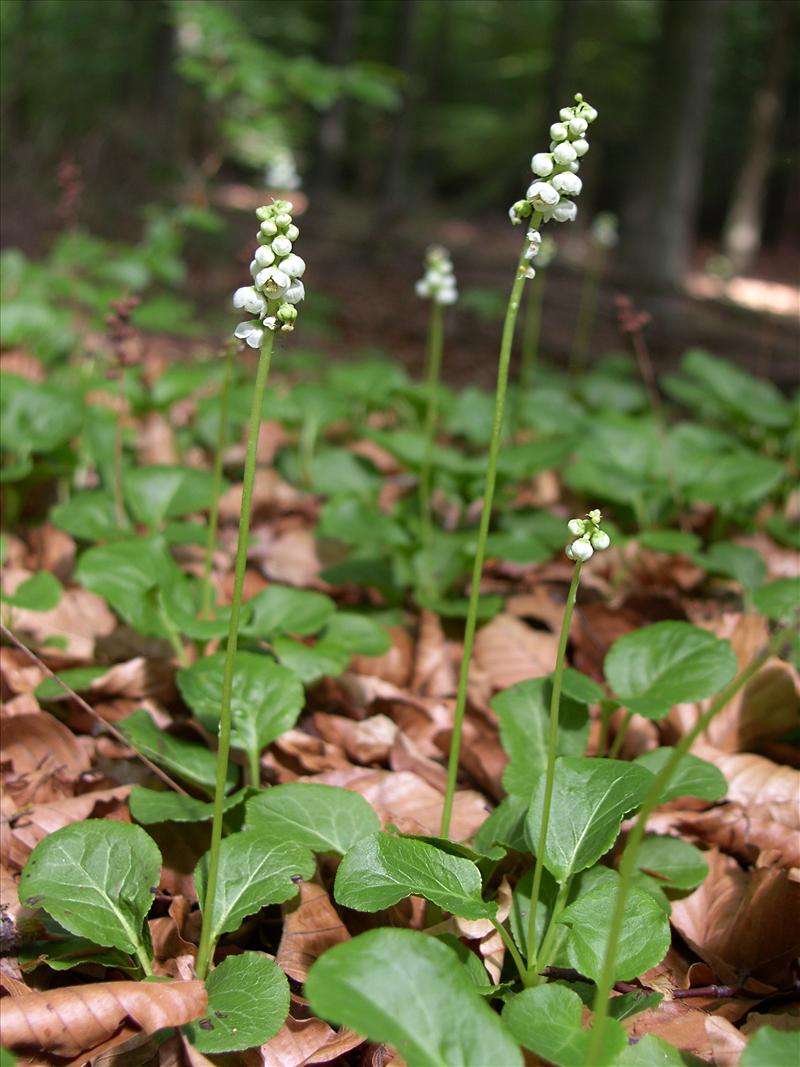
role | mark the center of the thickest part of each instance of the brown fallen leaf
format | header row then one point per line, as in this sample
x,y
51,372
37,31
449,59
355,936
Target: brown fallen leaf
x,y
732,828
727,1043
307,1041
143,677
311,925
43,760
434,672
765,789
79,621
292,558
50,550
305,754
393,666
66,1021
271,496
509,651
17,674
368,741
744,924
406,756
155,441
488,941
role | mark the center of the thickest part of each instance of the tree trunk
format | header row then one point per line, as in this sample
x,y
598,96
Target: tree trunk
x,y
666,159
399,151
741,236
332,128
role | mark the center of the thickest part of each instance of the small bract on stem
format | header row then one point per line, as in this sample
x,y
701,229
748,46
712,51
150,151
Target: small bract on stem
x,y
439,286
272,299
547,199
589,537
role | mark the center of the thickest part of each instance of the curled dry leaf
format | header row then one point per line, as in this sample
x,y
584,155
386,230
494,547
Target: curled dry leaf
x,y
393,666
44,759
766,790
307,1041
732,829
489,942
291,558
79,621
304,754
509,651
311,925
544,603
155,441
143,677
434,672
172,937
406,756
368,741
727,1043
51,550
17,673
67,1021
744,924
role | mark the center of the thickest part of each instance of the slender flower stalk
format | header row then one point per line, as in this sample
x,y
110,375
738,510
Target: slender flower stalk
x,y
213,518
628,868
276,271
439,286
546,199
532,326
589,537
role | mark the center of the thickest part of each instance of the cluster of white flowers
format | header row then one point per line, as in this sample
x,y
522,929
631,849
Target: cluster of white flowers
x,y
589,537
276,271
548,197
281,171
604,229
439,283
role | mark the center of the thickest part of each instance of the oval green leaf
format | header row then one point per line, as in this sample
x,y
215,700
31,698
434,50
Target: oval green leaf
x,y
407,990
324,818
692,777
96,878
279,609
669,663
547,1020
672,862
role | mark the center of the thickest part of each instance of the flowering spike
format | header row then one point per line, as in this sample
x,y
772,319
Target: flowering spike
x,y
276,271
589,537
439,282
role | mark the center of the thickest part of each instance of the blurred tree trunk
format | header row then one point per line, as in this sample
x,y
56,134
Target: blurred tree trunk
x,y
666,159
332,127
741,236
395,182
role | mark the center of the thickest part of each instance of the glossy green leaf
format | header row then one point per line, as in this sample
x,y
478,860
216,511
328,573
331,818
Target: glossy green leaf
x,y
668,663
96,878
191,762
524,714
580,687
504,826
310,663
671,541
692,777
769,1047
323,818
743,564
675,863
41,592
253,871
78,679
279,609
148,806
779,600
357,635
71,952
652,1051
380,870
248,1001
643,943
155,494
547,1020
266,699
407,990
590,799
88,516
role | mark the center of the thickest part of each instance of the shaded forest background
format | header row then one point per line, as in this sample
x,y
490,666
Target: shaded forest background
x,y
403,121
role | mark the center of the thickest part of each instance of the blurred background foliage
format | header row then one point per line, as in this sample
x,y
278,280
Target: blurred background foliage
x,y
394,111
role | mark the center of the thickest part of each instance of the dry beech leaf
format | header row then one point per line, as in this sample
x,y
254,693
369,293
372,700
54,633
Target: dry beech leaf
x,y
545,603
143,677
393,666
307,1041
743,923
155,441
368,741
306,754
406,756
406,800
291,558
509,651
434,672
44,760
52,550
788,1019
43,819
17,673
67,1021
763,788
732,829
311,925
481,753
79,621
171,936
727,1043
489,942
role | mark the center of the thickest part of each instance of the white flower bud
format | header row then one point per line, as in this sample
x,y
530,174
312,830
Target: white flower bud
x,y
542,164
580,146
596,516
567,183
295,293
589,113
542,194
576,527
268,228
422,289
535,238
264,256
292,232
558,131
250,332
283,220
250,300
565,114
564,153
294,266
565,211
530,273
578,126
281,246
579,551
600,540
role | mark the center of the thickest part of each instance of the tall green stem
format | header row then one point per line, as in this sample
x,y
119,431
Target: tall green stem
x,y
483,530
432,377
552,744
119,499
627,867
223,748
547,951
213,518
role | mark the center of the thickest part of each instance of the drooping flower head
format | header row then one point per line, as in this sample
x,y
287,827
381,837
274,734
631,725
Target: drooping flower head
x,y
556,181
439,282
589,537
276,271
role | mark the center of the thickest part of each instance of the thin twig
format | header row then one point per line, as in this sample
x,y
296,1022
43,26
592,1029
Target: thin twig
x,y
84,706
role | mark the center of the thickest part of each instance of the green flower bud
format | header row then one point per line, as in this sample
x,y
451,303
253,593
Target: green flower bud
x,y
283,220
287,313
